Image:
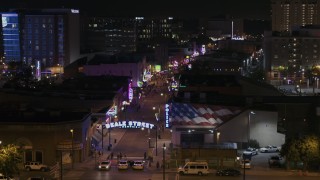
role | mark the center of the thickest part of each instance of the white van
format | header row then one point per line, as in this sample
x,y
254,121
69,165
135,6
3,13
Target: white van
x,y
200,168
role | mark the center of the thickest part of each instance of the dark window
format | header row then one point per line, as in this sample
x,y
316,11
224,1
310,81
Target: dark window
x,y
28,155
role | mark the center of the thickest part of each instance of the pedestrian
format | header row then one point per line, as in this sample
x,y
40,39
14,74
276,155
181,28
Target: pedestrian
x,y
111,155
158,164
145,155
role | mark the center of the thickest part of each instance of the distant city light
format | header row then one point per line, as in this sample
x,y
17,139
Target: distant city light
x,y
76,11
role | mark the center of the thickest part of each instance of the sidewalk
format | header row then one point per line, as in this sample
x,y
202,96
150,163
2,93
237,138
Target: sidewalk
x,y
91,162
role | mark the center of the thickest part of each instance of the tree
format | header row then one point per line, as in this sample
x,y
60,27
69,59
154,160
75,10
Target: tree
x,y
309,149
10,156
303,149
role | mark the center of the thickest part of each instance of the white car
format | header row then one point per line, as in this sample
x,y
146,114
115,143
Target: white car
x,y
138,165
123,165
269,149
250,151
105,165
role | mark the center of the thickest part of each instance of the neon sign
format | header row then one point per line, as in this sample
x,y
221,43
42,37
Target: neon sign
x,y
167,115
128,124
130,94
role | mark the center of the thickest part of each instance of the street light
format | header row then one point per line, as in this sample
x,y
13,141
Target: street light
x,y
164,161
249,120
157,114
218,136
109,147
103,124
72,159
244,170
156,140
124,109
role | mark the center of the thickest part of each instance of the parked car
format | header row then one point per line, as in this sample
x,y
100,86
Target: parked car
x,y
269,149
138,165
123,165
228,172
251,151
199,168
274,161
34,165
105,165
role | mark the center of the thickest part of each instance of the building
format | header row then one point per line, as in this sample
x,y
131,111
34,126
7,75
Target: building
x,y
287,14
41,39
110,35
124,35
292,58
133,65
31,119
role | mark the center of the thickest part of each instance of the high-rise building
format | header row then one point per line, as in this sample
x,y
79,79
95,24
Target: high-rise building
x,y
290,13
114,35
292,57
10,37
41,38
110,35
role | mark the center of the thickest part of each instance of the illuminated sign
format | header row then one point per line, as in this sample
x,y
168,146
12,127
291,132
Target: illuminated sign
x,y
167,115
128,124
130,90
5,18
75,11
203,49
112,111
38,71
157,68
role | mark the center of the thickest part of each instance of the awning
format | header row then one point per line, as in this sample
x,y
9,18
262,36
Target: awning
x,y
67,145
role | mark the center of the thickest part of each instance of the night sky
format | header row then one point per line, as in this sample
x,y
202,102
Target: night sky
x,y
254,9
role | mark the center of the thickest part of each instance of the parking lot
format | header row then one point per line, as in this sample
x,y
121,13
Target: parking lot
x,y
261,160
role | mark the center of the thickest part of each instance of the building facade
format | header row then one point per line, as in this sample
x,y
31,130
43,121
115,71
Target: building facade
x,y
41,38
289,13
291,57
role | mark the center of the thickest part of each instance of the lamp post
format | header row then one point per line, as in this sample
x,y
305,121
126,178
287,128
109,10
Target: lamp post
x,y
218,136
72,159
102,127
244,170
109,147
124,109
149,142
249,120
61,167
164,161
156,140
